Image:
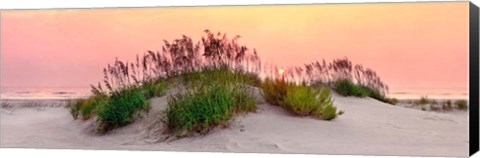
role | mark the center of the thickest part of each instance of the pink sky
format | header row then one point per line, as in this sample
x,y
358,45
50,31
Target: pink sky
x,y
409,44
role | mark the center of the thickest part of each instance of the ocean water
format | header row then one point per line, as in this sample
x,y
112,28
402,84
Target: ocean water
x,y
70,93
432,93
43,93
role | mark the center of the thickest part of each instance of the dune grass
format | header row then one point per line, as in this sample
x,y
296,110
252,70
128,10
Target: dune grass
x,y
154,88
250,78
346,87
221,74
117,109
5,104
422,101
121,108
213,96
215,76
446,105
274,90
300,99
304,100
86,108
90,106
75,106
376,94
461,104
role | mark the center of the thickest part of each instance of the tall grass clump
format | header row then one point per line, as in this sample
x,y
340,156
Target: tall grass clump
x,y
447,105
154,88
461,104
121,108
304,100
348,88
274,90
92,104
222,62
75,106
342,76
212,98
300,99
87,108
215,84
250,78
378,95
205,108
422,101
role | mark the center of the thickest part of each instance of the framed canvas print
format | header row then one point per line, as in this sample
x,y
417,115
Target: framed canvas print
x,y
391,79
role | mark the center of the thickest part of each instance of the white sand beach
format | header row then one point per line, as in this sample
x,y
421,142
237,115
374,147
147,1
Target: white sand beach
x,y
368,127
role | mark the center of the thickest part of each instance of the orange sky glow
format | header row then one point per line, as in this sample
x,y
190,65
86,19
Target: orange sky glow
x,y
408,44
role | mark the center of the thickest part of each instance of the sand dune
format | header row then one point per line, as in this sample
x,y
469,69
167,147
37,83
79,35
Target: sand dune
x,y
367,127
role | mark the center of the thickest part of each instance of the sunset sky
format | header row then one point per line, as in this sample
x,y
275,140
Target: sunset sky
x,y
410,45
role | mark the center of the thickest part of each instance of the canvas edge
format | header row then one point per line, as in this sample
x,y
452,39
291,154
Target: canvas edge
x,y
474,78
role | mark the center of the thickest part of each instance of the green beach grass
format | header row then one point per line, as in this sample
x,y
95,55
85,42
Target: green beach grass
x,y
213,96
217,74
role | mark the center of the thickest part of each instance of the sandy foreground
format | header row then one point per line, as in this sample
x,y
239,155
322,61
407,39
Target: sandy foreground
x,y
368,127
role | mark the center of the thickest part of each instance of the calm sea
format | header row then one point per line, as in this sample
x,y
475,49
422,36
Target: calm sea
x,y
432,93
69,93
43,93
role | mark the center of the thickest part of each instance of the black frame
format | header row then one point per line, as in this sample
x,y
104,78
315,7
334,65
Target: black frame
x,y
474,79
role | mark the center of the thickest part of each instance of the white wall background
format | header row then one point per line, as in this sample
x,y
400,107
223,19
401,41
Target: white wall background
x,y
37,4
